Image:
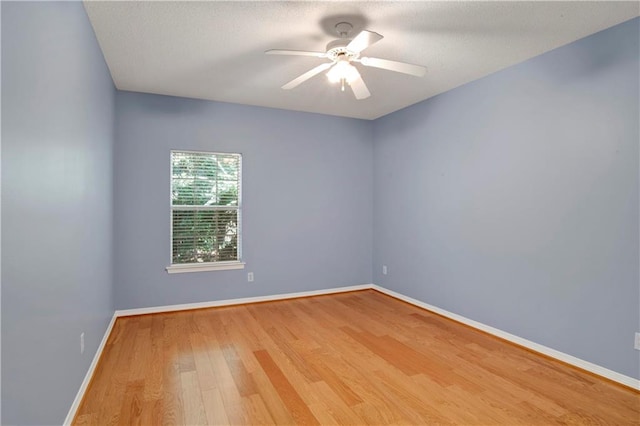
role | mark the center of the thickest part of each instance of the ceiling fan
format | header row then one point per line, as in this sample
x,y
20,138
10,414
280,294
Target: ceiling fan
x,y
343,53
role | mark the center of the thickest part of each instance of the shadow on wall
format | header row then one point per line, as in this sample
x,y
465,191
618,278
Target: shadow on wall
x,y
588,57
180,106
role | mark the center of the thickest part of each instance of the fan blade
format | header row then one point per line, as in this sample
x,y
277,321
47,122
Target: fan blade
x,y
360,89
307,75
402,67
295,53
363,40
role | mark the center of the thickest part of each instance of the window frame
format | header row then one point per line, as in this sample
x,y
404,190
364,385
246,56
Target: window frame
x,y
174,268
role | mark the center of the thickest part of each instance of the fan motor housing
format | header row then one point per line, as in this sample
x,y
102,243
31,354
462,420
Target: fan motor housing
x,y
338,48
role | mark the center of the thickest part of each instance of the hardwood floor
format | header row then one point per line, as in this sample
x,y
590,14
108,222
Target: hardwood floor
x,y
352,358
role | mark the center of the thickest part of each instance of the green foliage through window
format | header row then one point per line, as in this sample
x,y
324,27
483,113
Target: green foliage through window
x,y
205,204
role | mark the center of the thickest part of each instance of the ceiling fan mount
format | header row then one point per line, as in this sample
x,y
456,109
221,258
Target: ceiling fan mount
x,y
343,54
343,29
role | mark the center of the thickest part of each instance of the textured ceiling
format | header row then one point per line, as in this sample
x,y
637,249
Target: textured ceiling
x,y
215,50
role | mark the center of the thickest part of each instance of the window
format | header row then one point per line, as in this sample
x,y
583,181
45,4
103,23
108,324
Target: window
x,y
205,211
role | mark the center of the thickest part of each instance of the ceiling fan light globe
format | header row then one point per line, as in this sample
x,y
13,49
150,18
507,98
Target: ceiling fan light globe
x,y
343,70
333,77
351,74
338,72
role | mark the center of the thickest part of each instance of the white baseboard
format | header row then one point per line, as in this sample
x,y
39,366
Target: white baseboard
x,y
569,359
87,378
242,301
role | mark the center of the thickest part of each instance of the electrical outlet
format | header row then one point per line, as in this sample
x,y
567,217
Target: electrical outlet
x,y
636,344
250,277
384,269
82,343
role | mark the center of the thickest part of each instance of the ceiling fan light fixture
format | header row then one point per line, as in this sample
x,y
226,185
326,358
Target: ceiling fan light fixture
x,y
343,71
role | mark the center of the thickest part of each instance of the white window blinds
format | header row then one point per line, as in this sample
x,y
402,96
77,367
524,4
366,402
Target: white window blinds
x,y
205,207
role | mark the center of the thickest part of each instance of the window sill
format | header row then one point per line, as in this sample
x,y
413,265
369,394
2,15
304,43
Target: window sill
x,y
201,267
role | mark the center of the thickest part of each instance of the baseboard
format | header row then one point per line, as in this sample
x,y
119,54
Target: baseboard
x,y
242,301
87,378
561,356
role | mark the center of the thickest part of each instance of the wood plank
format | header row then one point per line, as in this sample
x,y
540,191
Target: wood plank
x,y
194,412
214,407
297,407
171,395
330,403
278,410
242,378
131,408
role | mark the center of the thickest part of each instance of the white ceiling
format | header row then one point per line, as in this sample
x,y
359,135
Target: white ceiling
x,y
215,50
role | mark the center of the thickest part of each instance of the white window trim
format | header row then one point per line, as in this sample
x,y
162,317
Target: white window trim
x,y
179,268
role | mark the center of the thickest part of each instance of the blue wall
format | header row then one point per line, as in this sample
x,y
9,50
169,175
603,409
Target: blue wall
x,y
513,200
307,198
57,141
